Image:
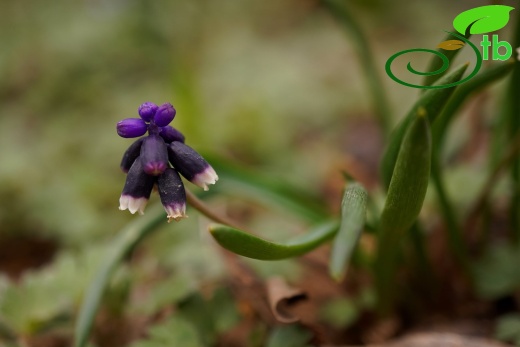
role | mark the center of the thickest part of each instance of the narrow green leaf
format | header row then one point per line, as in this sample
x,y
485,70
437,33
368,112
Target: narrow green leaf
x,y
251,246
432,102
339,9
410,179
353,214
127,239
403,203
483,19
461,94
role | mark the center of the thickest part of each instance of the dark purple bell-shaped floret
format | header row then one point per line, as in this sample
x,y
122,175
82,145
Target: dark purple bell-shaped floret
x,y
137,189
131,127
191,165
170,134
154,155
172,193
131,155
147,111
164,115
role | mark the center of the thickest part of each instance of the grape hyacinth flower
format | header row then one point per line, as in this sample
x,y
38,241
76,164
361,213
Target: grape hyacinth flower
x,y
158,159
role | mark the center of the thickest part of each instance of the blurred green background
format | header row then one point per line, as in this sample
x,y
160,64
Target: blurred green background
x,y
272,86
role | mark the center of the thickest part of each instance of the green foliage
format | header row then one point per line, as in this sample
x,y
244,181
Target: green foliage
x,y
124,244
48,297
508,328
432,102
353,214
496,273
340,313
251,246
403,203
175,331
289,336
252,97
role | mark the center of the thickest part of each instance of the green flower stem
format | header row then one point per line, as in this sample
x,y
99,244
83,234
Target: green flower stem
x,y
200,206
342,13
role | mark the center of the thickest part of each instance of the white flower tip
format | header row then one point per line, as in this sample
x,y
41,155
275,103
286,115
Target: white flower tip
x,y
126,202
176,212
518,51
208,176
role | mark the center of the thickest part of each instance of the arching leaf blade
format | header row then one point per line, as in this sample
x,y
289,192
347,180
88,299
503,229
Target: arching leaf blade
x,y
251,246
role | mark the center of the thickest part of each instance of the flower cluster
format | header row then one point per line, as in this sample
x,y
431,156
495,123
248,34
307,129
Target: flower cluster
x,y
158,159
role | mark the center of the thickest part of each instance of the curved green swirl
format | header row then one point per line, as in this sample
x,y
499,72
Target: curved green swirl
x,y
442,69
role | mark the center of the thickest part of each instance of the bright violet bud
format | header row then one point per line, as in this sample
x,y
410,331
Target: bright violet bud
x,y
164,115
173,195
138,187
170,134
131,127
154,155
191,165
147,111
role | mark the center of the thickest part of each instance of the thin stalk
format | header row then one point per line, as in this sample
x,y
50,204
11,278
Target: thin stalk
x,y
200,206
379,99
512,154
454,232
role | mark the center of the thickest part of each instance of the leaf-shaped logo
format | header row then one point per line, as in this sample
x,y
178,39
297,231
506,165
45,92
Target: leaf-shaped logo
x,y
483,19
451,45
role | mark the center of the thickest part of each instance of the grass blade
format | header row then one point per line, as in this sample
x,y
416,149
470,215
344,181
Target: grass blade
x,y
127,239
404,202
432,102
461,94
250,246
341,12
353,214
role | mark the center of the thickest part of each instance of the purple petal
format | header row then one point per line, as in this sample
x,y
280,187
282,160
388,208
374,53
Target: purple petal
x,y
154,155
137,189
164,115
170,134
131,127
147,111
191,165
172,193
